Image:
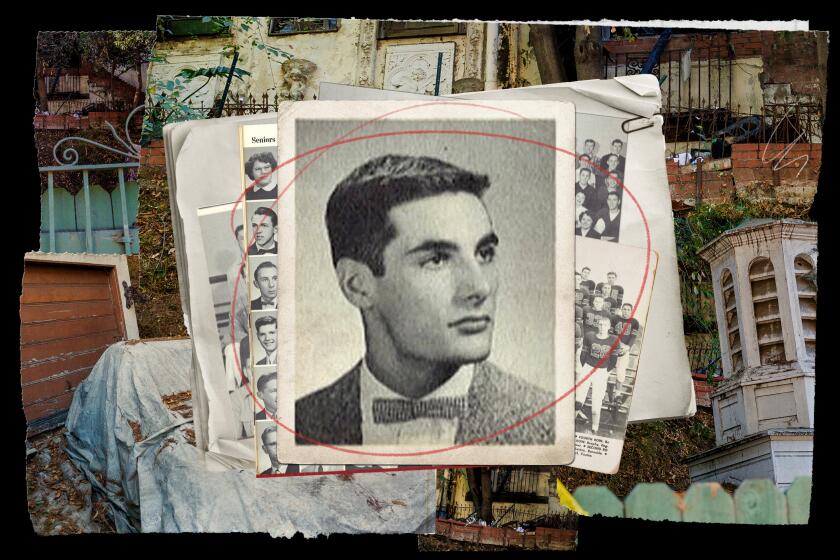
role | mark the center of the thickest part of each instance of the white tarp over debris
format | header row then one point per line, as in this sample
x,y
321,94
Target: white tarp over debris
x,y
139,451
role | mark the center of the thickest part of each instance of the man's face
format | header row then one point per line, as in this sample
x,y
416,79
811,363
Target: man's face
x,y
264,230
269,397
267,335
612,186
612,162
610,277
266,282
625,311
589,147
259,169
598,303
437,297
616,148
583,179
270,446
603,326
612,202
584,274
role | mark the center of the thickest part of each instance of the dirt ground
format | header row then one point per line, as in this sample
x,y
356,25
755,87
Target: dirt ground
x,y
60,499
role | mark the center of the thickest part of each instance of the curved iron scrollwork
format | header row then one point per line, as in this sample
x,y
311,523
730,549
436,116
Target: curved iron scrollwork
x,y
70,156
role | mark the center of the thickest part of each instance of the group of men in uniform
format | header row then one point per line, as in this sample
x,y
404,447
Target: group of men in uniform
x,y
604,334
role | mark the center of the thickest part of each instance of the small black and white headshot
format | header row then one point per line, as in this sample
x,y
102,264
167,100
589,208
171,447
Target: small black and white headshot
x,y
266,393
268,462
429,298
260,164
262,237
264,282
264,331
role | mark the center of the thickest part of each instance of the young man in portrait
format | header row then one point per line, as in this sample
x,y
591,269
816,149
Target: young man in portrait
x,y
266,329
414,250
265,280
267,393
264,232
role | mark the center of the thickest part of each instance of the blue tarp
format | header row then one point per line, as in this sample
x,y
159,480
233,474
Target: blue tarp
x,y
138,452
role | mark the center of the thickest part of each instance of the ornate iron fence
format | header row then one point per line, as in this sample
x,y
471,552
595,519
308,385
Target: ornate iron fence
x,y
98,214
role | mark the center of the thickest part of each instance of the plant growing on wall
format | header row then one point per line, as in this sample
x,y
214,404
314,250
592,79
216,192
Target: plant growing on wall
x,y
169,100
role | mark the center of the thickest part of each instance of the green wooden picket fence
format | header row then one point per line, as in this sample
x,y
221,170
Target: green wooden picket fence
x,y
755,502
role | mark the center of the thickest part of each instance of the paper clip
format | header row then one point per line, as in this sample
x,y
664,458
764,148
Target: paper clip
x,y
625,123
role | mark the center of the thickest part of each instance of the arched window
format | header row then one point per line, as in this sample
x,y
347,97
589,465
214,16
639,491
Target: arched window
x,y
807,290
733,335
768,323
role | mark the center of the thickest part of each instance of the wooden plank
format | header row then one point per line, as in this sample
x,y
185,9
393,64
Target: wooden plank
x,y
35,371
759,502
708,502
64,214
63,273
40,312
56,330
50,406
654,502
54,294
68,346
100,206
47,389
599,500
132,193
799,501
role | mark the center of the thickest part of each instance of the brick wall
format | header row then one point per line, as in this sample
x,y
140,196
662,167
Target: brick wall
x,y
763,170
796,58
153,154
746,44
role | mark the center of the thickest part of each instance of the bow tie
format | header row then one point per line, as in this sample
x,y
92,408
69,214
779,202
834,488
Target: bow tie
x,y
386,411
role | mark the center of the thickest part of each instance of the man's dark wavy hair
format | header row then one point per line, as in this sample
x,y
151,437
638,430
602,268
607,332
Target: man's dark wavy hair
x,y
265,157
357,212
263,321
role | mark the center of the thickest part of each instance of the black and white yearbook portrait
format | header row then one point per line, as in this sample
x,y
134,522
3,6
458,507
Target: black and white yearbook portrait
x,y
427,275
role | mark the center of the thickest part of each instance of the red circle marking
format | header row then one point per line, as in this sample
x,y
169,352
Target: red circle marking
x,y
344,140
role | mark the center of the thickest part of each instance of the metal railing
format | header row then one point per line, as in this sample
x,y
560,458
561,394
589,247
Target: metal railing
x,y
517,481
698,102
503,514
69,163
704,358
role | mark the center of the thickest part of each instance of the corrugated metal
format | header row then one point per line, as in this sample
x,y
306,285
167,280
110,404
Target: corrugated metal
x,y
69,315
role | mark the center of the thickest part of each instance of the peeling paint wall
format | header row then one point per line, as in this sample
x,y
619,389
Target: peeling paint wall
x,y
351,55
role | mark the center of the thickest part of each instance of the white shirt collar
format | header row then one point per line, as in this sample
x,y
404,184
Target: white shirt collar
x,y
270,187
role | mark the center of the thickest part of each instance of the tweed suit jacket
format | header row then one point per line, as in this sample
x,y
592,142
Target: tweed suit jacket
x,y
496,399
